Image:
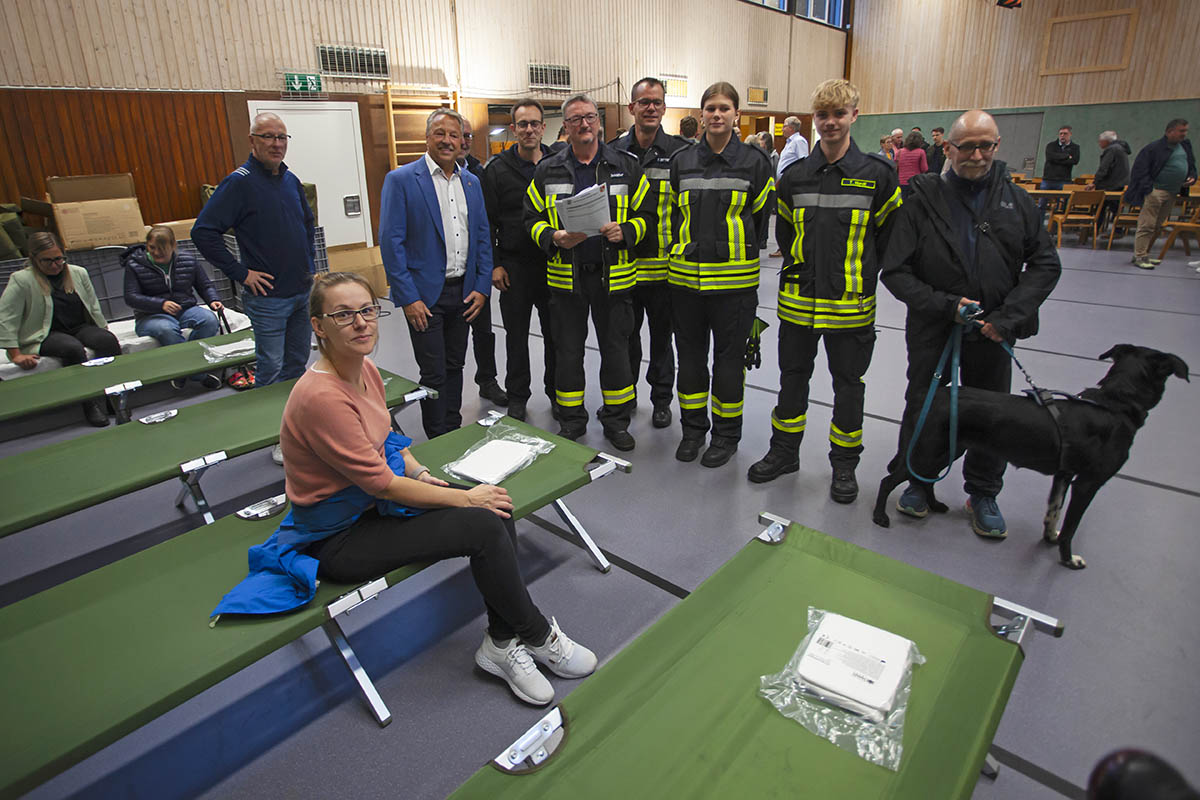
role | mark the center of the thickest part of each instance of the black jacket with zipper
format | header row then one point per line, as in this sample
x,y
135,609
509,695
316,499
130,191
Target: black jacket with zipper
x,y
148,286
1113,173
1012,272
1060,160
504,188
654,249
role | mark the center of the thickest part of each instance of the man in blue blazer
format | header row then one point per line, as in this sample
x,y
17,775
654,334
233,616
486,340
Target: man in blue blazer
x,y
437,250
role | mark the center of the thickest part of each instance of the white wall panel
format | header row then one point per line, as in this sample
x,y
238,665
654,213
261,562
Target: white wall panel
x,y
247,44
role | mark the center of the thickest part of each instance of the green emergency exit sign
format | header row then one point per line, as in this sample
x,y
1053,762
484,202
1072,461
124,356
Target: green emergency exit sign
x,y
301,82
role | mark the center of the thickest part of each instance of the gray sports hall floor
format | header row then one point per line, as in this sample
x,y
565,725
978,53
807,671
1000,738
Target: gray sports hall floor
x,y
292,725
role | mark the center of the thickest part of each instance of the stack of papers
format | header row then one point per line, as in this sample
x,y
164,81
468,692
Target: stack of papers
x,y
855,666
495,461
586,212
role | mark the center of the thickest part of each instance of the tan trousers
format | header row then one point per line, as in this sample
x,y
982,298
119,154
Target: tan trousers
x,y
1155,210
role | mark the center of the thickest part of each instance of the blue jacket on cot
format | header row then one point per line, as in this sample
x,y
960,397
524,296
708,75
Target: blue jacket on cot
x,y
281,578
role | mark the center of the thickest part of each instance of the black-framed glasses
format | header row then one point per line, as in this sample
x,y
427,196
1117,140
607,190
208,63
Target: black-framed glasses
x,y
55,260
966,148
345,317
273,137
526,124
650,102
582,118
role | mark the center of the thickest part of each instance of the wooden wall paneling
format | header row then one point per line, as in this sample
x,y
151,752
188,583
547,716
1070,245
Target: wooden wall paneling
x,y
9,132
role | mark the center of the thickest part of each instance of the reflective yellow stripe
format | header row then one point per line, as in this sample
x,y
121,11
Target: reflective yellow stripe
x,y
783,207
568,398
735,227
640,194
651,270
690,402
891,205
617,396
664,217
639,229
535,197
797,250
761,200
854,250
539,227
843,439
791,425
727,410
849,312
685,227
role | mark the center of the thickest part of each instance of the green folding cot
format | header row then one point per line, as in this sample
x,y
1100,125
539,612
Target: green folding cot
x,y
117,378
60,478
90,660
677,712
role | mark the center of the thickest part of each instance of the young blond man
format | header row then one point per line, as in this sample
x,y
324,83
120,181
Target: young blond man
x,y
835,211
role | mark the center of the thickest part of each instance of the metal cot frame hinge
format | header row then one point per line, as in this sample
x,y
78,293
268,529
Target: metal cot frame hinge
x,y
192,472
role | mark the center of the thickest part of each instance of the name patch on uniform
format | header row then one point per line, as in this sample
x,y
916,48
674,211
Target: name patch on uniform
x,y
858,183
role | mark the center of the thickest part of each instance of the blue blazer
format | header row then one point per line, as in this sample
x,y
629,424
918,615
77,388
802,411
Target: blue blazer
x,y
413,243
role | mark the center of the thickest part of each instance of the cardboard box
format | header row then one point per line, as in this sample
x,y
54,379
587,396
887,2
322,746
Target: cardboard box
x,y
95,210
182,228
358,258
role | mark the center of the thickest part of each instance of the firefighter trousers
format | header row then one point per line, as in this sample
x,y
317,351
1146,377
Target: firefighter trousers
x,y
612,319
725,320
848,354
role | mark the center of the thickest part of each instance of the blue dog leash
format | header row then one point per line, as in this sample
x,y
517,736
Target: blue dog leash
x,y
953,352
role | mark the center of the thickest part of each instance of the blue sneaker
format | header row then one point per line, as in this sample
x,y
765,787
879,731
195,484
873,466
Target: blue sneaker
x,y
913,502
986,519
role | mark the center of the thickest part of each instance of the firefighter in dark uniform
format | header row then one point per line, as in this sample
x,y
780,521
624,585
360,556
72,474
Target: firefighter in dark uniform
x,y
653,147
593,273
519,274
721,190
836,208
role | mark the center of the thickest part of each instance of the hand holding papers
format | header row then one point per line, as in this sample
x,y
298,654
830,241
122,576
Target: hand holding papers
x,y
586,212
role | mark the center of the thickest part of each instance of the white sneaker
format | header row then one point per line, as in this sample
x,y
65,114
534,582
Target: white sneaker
x,y
277,454
564,657
511,662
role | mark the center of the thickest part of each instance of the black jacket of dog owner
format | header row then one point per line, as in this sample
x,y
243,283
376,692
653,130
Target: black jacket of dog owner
x,y
1013,270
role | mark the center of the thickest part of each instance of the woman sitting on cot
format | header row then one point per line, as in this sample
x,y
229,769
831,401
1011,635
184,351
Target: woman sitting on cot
x,y
49,308
161,285
362,505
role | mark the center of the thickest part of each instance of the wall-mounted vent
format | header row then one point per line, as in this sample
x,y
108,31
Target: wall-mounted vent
x,y
549,76
677,86
353,62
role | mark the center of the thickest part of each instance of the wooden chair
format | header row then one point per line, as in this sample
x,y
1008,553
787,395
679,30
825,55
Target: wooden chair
x,y
1126,219
1083,211
1178,228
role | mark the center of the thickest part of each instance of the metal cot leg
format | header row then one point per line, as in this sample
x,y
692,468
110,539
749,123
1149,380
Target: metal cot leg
x,y
577,528
338,639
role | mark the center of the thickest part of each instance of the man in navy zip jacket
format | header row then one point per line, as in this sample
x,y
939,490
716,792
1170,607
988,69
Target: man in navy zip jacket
x,y
264,203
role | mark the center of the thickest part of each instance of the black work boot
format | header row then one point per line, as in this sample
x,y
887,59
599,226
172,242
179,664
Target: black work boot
x,y
843,488
719,451
95,413
775,463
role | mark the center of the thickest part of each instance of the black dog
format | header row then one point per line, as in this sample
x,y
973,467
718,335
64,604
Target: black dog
x,y
1085,447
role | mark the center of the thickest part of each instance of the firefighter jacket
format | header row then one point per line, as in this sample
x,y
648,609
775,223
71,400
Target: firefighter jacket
x,y
722,201
834,221
653,251
554,179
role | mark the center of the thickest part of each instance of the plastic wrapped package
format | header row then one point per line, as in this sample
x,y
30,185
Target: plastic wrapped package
x,y
223,352
502,452
849,683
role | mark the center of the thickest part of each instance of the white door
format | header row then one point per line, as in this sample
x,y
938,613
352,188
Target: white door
x,y
326,149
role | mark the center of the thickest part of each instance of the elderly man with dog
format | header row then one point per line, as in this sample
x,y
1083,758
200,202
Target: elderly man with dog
x,y
967,237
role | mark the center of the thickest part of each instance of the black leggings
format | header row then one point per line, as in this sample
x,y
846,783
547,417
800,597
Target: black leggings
x,y
69,349
378,544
